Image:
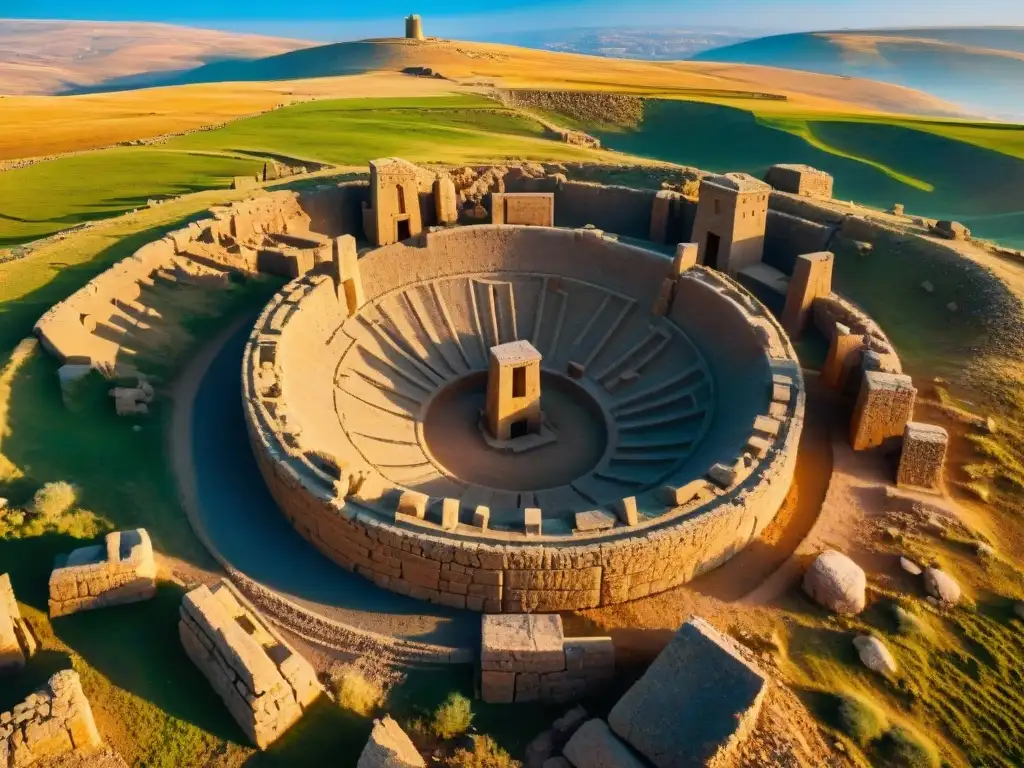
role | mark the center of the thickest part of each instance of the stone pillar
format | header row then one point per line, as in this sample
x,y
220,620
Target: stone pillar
x,y
811,279
513,391
662,211
884,406
345,273
685,258
842,353
923,455
446,201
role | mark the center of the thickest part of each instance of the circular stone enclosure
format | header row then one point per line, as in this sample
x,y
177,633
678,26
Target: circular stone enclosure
x,y
675,433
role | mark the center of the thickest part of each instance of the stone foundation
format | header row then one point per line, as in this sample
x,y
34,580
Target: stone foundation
x,y
121,570
923,455
265,684
51,723
527,658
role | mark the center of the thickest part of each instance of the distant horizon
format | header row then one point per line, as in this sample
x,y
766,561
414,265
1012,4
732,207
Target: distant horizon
x,y
318,20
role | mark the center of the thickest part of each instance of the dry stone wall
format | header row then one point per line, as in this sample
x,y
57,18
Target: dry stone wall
x,y
353,523
121,570
585,106
264,682
51,723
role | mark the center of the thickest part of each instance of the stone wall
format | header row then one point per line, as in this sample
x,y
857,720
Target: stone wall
x,y
17,642
528,658
264,682
585,106
121,570
49,724
787,237
830,310
621,210
492,572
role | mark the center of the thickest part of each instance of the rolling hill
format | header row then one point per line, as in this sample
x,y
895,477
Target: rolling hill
x,y
980,69
509,66
48,57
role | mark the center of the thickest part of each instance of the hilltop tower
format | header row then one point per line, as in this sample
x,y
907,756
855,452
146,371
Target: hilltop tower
x,y
732,212
414,27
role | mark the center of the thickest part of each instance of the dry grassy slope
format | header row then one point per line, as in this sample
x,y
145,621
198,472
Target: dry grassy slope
x,y
43,57
521,67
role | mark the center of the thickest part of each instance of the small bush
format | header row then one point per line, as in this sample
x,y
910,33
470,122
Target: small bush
x,y
485,754
453,717
860,719
905,748
357,692
53,500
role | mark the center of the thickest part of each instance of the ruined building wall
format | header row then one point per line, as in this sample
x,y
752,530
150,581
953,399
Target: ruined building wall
x,y
544,573
621,210
787,237
49,724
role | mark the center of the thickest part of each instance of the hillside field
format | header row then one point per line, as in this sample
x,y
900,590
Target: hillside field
x,y
46,197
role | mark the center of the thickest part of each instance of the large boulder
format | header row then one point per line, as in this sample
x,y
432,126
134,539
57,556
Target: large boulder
x,y
389,747
837,583
695,704
941,586
875,655
594,746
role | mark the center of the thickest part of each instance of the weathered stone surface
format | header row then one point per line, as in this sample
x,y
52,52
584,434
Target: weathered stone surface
x,y
837,583
884,406
264,682
17,643
695,703
910,566
875,655
941,586
923,455
595,746
123,570
389,747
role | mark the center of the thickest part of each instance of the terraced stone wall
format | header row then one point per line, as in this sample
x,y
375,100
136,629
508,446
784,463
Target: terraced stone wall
x,y
355,525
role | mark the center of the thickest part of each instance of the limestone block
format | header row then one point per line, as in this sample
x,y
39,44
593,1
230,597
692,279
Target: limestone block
x,y
767,426
389,747
698,489
837,583
695,703
595,746
450,514
122,571
812,279
446,201
843,350
413,504
481,517
532,521
523,208
592,520
17,643
497,687
626,511
521,643
685,258
758,446
884,406
923,455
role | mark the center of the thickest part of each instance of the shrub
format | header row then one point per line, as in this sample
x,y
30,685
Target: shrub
x,y
905,748
860,719
485,754
357,692
53,500
453,716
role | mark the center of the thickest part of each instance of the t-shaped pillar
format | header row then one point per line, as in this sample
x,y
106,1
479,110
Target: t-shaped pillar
x,y
513,391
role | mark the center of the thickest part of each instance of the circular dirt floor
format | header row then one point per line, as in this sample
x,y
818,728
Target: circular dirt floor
x,y
452,431
244,524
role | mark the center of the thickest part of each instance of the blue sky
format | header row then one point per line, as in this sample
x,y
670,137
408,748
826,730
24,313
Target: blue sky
x,y
347,19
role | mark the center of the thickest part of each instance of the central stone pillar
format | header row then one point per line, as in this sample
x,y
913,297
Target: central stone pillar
x,y
513,391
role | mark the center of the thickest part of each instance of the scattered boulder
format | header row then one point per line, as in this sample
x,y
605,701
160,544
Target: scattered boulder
x,y
595,746
875,655
910,567
951,230
928,287
389,747
837,583
941,586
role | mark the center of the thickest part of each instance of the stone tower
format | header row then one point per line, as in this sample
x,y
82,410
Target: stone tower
x,y
394,212
414,27
513,391
732,212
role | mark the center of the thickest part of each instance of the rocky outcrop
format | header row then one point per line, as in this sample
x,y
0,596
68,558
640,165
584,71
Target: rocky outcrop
x,y
389,747
595,746
835,582
941,586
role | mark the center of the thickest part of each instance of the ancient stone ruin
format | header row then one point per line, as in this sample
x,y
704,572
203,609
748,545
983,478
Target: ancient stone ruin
x,y
800,180
414,27
693,706
121,570
923,455
389,747
527,658
264,682
49,724
17,643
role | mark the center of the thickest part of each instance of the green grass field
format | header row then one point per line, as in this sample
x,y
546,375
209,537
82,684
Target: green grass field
x,y
46,197
971,172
